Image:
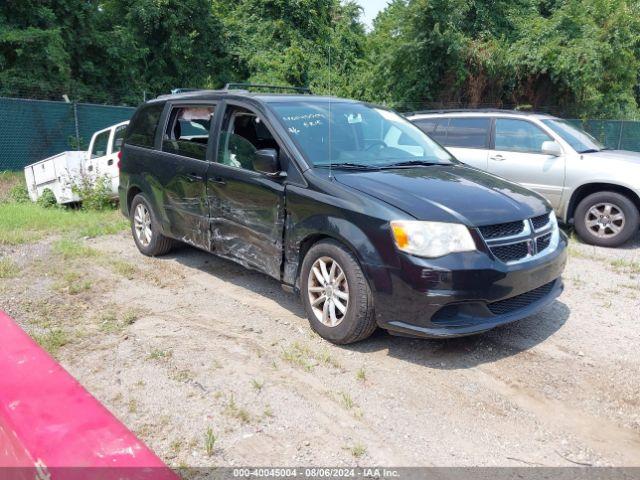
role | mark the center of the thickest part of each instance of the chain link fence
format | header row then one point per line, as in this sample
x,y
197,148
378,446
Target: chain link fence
x,y
32,130
615,134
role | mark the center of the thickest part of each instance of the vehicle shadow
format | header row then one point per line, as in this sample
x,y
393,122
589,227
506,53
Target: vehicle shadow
x,y
471,351
449,354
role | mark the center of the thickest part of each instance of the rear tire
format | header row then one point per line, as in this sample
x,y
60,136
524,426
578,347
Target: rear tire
x,y
336,295
145,229
606,219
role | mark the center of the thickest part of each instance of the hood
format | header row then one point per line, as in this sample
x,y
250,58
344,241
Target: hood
x,y
448,193
618,155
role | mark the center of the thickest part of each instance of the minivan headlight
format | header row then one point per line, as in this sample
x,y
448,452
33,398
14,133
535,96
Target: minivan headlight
x,y
431,239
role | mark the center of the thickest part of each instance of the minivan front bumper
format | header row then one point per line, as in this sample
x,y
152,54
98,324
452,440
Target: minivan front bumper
x,y
463,294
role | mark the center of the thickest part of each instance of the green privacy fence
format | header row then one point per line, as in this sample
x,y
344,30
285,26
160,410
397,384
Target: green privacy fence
x,y
32,130
616,134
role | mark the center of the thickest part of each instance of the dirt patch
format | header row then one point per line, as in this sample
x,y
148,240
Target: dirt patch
x,y
212,364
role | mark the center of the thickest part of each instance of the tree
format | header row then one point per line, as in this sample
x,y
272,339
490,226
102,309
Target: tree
x,y
33,58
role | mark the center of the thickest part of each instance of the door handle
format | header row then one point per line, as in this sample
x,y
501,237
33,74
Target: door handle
x,y
498,158
194,177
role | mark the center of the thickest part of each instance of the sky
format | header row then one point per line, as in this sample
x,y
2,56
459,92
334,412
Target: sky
x,y
371,9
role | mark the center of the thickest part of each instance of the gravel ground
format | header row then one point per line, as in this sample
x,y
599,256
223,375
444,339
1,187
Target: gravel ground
x,y
212,364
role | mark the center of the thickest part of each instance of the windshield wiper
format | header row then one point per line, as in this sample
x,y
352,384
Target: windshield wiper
x,y
350,166
412,163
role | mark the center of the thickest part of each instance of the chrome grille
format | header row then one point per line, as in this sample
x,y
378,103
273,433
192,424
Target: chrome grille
x,y
508,305
516,241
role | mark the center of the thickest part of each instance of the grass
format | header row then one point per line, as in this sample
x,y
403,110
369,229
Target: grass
x,y
302,356
176,446
346,400
626,266
109,323
72,283
298,355
157,354
52,340
233,410
27,222
8,268
125,269
361,374
209,442
257,384
69,248
133,406
7,181
130,317
358,450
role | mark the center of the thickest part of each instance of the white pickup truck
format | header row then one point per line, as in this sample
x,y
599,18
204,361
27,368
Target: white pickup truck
x,y
60,172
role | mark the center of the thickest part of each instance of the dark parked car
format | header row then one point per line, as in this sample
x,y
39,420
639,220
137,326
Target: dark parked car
x,y
348,203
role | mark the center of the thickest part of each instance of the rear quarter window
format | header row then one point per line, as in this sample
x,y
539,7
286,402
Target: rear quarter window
x,y
142,131
468,133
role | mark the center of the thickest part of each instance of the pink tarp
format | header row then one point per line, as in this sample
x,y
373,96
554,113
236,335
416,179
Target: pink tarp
x,y
51,427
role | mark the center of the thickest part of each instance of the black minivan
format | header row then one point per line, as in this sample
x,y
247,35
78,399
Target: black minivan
x,y
348,203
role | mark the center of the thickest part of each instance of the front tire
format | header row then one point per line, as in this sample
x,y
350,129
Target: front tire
x,y
336,295
606,219
146,229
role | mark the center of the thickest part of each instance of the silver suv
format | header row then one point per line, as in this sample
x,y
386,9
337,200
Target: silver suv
x,y
588,185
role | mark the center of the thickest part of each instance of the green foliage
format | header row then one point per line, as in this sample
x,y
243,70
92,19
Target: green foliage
x,y
19,193
47,199
581,56
95,193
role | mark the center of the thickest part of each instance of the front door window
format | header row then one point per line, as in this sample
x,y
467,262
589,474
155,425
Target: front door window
x,y
515,135
243,133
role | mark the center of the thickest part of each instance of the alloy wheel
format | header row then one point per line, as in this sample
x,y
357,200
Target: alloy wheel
x,y
142,224
605,220
328,291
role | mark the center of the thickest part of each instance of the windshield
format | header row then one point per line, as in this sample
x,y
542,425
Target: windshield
x,y
356,135
580,140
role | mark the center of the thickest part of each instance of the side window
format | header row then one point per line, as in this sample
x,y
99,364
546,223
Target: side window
x,y
427,125
118,138
100,145
439,133
144,125
468,133
187,131
519,136
243,133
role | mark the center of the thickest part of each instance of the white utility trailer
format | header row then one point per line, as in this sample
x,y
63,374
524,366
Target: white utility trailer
x,y
61,172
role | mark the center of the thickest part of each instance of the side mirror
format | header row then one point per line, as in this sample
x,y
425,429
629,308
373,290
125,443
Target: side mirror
x,y
266,161
551,148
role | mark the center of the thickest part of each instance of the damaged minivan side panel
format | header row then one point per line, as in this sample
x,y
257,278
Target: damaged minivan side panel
x,y
358,221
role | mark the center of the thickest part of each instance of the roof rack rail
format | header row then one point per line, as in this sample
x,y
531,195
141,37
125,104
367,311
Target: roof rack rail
x,y
184,90
471,110
258,86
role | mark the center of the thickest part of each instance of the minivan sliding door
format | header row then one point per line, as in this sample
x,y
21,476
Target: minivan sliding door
x,y
182,168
